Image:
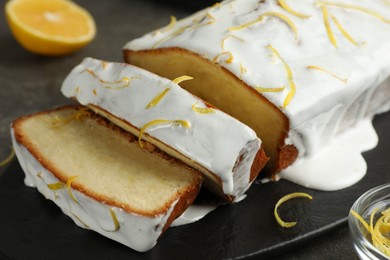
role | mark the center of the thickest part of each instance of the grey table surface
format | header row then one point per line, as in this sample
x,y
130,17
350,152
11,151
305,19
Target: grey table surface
x,y
31,83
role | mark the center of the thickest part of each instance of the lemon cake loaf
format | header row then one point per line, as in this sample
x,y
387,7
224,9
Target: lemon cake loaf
x,y
297,72
158,110
100,177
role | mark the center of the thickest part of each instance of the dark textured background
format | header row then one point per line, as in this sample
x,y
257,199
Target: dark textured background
x,y
31,83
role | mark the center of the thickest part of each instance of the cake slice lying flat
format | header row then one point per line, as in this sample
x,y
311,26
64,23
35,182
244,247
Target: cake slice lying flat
x,y
158,110
297,73
99,176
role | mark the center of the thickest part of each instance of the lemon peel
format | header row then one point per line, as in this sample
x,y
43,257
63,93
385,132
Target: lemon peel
x,y
68,186
261,89
283,17
8,159
78,115
115,220
125,80
329,31
228,60
157,98
289,73
171,24
180,79
313,67
284,199
228,37
202,110
343,31
356,8
56,186
286,7
379,230
183,123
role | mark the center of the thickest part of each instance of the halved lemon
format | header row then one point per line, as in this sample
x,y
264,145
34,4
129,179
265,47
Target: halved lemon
x,y
50,27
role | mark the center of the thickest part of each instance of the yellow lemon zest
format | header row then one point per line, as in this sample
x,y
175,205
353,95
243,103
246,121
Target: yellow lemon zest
x,y
82,222
343,31
284,199
261,89
171,24
364,223
9,158
201,25
115,220
180,79
210,16
243,70
68,186
228,37
356,8
327,26
183,123
39,175
283,17
170,36
125,80
286,7
202,110
379,230
56,186
289,73
228,60
94,92
77,89
104,64
74,116
328,72
157,98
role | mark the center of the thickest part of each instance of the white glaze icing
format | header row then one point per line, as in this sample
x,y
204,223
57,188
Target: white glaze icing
x,y
339,164
137,232
322,104
194,213
214,140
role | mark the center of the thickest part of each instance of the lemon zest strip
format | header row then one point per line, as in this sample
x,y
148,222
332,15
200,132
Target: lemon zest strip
x,y
183,123
180,79
228,60
343,31
327,26
356,8
243,70
201,25
202,110
157,98
125,80
56,186
79,219
261,89
284,199
170,36
75,116
9,158
356,215
283,17
115,220
68,186
286,7
227,37
328,72
289,73
171,24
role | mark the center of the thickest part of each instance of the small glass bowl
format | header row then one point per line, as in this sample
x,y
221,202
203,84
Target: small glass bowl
x,y
376,198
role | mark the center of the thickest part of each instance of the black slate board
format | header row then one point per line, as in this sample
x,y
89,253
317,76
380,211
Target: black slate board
x,y
32,227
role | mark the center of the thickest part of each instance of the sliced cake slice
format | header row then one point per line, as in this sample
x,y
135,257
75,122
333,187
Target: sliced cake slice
x,y
100,177
158,110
